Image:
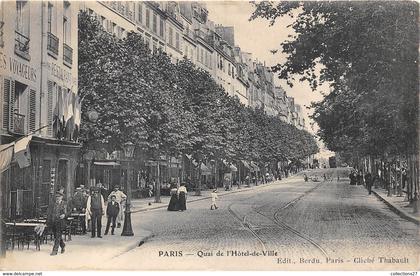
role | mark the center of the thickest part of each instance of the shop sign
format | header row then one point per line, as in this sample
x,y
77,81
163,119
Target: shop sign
x,y
60,73
17,68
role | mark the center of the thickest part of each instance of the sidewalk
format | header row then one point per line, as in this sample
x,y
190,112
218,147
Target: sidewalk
x,y
145,204
86,253
82,252
398,205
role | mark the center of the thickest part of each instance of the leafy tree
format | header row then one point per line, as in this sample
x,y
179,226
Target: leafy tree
x,y
369,56
171,109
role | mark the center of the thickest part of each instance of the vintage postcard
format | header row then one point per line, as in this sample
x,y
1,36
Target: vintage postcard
x,y
209,135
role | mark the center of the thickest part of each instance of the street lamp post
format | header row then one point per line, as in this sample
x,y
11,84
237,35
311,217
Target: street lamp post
x,y
127,228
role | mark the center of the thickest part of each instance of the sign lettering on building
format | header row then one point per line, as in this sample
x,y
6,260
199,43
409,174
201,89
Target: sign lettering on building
x,y
60,73
17,68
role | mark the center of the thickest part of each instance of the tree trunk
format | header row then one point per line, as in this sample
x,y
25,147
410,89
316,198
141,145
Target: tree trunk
x,y
239,175
198,189
157,194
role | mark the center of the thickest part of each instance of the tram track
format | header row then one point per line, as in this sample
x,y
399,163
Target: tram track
x,y
246,226
278,222
275,219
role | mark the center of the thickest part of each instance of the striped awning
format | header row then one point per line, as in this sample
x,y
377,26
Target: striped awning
x,y
232,167
246,164
255,167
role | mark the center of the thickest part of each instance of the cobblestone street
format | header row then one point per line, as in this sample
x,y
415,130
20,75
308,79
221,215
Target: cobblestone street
x,y
302,223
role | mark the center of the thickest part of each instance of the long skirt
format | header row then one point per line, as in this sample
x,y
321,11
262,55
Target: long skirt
x,y
182,201
173,203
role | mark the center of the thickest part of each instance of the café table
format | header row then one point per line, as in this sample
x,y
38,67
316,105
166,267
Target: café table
x,y
24,231
79,219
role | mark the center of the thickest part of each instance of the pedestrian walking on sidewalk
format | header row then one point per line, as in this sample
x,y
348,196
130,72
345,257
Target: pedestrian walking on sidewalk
x,y
352,177
182,197
174,202
96,208
213,199
369,182
112,211
56,220
359,178
120,198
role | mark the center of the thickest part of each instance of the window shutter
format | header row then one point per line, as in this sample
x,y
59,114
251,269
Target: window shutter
x,y
8,98
50,107
31,110
3,102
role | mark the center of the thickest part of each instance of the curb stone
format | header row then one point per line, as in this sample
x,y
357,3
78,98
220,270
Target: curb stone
x,y
220,195
396,210
134,244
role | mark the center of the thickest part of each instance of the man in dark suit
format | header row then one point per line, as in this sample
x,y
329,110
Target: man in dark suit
x,y
112,211
369,182
56,221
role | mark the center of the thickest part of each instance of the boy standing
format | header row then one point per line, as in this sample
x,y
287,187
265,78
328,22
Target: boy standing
x,y
213,199
112,211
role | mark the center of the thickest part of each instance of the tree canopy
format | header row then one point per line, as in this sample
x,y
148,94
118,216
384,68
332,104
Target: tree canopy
x,y
368,54
171,109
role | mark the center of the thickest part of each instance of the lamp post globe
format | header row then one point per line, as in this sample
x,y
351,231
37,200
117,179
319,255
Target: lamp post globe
x,y
128,148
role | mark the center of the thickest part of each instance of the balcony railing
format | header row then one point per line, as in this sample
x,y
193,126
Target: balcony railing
x,y
19,123
22,45
207,38
52,43
67,54
190,34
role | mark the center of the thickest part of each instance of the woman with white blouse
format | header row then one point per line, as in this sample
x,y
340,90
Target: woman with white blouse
x,y
182,197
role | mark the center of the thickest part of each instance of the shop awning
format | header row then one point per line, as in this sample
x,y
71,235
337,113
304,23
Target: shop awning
x,y
111,163
205,170
232,167
247,165
255,167
152,163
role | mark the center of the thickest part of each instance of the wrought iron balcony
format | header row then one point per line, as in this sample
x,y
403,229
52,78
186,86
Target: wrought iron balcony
x,y
52,43
130,14
22,45
19,123
206,37
190,34
67,54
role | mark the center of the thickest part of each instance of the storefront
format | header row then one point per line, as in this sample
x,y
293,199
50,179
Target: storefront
x,y
28,190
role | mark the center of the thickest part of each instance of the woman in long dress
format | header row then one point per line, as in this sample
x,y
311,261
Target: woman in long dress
x,y
173,203
182,197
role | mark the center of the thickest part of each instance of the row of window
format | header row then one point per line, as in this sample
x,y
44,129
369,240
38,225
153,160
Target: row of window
x,y
139,12
174,42
22,31
221,65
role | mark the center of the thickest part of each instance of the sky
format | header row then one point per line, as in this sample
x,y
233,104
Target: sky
x,y
258,38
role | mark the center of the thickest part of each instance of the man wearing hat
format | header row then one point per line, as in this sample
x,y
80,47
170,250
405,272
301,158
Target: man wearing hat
x,y
79,201
120,197
96,208
56,221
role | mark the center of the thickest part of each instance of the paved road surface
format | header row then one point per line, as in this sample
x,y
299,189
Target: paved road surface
x,y
300,225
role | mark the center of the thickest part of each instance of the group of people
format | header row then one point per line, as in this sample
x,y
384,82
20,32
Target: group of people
x,y
356,178
179,198
178,201
92,204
